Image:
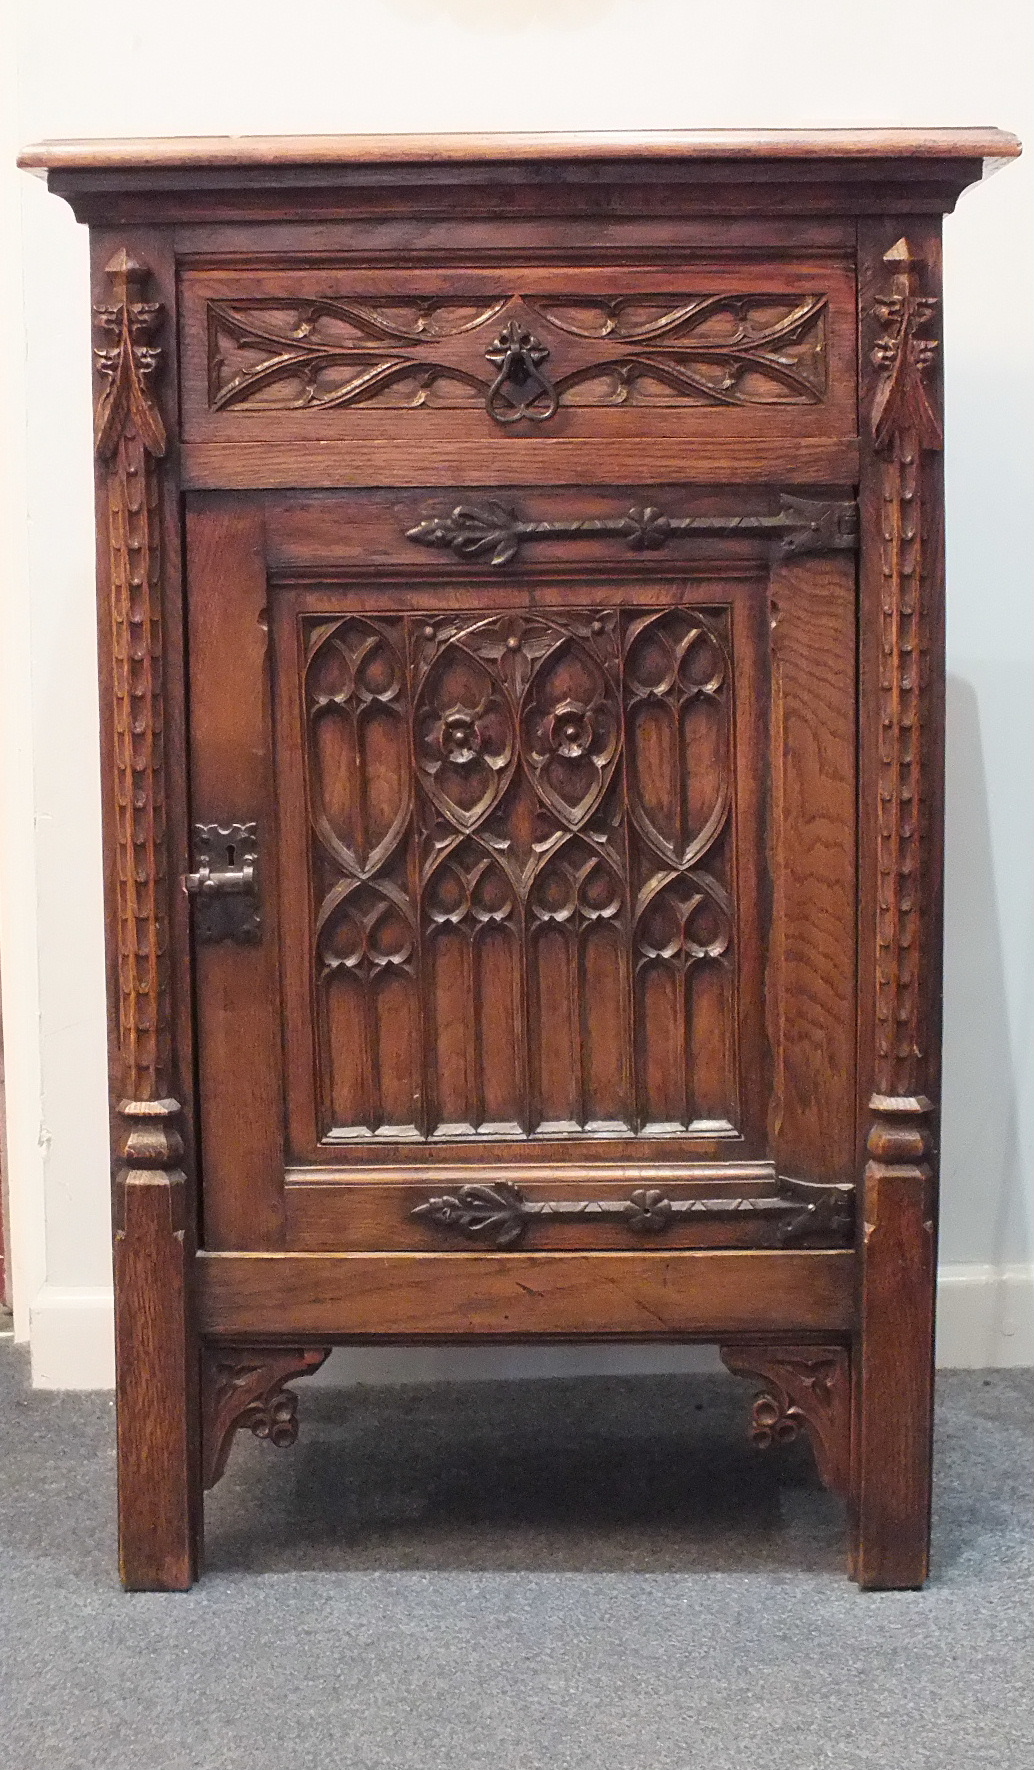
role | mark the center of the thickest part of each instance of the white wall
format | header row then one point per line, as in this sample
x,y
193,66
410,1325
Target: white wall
x,y
218,66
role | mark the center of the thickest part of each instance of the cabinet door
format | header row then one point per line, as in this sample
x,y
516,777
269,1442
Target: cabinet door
x,y
555,874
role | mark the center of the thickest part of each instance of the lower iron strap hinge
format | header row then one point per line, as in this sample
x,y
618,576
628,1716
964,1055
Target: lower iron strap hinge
x,y
801,1213
224,885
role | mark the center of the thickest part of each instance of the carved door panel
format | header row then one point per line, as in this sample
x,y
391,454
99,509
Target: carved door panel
x,y
533,867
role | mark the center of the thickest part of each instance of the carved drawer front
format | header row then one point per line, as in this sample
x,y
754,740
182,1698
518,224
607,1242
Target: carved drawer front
x,y
700,350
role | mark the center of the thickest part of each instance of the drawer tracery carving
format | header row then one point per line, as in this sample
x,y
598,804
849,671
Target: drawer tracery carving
x,y
521,823
294,353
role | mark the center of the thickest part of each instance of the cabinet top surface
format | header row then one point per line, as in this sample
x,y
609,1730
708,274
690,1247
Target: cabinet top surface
x,y
272,152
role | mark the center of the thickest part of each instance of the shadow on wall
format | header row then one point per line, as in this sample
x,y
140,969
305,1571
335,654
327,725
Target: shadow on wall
x,y
475,15
983,1211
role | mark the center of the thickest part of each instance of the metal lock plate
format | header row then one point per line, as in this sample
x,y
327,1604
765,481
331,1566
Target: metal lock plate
x,y
224,885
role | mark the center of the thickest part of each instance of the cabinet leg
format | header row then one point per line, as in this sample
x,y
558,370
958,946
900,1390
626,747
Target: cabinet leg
x,y
893,1378
159,1464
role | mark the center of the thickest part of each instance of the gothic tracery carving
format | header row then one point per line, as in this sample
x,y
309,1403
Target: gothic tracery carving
x,y
290,353
515,783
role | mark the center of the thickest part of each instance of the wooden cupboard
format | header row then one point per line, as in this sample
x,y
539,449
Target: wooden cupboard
x,y
521,618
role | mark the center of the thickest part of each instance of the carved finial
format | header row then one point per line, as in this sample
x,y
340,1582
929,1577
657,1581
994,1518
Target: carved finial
x,y
128,361
904,351
901,255
121,266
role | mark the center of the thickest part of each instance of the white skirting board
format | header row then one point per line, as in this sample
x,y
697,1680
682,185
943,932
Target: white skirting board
x,y
985,1319
72,1337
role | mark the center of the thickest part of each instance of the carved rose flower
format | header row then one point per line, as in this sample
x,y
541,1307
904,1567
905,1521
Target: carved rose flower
x,y
458,736
570,730
462,734
571,746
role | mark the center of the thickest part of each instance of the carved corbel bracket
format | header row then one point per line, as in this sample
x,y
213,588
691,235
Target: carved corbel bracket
x,y
243,1387
806,1388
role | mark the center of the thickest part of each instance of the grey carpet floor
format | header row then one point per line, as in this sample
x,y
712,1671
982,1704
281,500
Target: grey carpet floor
x,y
558,1575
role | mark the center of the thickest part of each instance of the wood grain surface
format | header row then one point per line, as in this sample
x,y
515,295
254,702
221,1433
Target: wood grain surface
x,y
572,1296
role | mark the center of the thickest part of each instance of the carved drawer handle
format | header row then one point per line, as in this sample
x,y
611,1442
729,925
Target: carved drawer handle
x,y
520,387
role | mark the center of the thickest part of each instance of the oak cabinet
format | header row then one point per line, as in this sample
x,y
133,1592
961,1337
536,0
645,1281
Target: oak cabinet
x,y
522,647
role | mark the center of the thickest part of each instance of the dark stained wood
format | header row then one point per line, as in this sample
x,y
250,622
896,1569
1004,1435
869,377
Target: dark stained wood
x,y
563,633
568,1205
496,1023
722,174
245,1387
893,1367
716,351
499,1296
159,1478
478,240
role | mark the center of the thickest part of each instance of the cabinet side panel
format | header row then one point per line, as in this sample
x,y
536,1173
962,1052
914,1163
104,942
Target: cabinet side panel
x,y
812,962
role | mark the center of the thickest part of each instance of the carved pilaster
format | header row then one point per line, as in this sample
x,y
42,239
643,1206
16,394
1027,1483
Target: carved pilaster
x,y
130,440
807,1388
892,1348
244,1387
155,1356
905,426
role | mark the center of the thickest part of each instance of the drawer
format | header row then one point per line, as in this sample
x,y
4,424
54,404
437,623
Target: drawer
x,y
707,352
